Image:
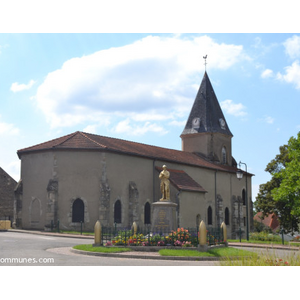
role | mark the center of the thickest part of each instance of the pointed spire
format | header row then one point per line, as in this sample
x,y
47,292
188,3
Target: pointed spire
x,y
206,114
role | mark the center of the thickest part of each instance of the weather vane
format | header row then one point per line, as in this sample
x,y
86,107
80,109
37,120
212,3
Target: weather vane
x,y
205,63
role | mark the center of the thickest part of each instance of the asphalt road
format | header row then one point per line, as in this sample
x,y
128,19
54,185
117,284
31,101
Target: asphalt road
x,y
24,249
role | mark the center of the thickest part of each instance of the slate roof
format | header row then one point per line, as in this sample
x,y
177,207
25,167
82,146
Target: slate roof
x,y
206,107
87,141
182,181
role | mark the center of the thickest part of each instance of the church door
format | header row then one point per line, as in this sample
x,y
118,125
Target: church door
x,y
78,211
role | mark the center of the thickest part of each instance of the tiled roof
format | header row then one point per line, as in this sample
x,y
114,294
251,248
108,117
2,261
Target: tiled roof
x,y
270,221
182,181
86,141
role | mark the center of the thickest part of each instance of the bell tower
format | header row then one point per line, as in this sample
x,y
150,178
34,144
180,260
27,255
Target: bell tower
x,y
206,132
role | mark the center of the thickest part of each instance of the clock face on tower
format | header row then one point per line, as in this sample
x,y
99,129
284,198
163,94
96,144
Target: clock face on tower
x,y
222,123
196,123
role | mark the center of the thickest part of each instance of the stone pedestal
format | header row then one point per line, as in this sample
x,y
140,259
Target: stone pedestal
x,y
164,218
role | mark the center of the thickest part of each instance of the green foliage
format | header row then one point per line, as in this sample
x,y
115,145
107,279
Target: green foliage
x,y
264,200
218,252
289,190
281,195
265,259
89,247
259,227
264,236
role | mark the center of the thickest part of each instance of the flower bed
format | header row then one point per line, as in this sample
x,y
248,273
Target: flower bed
x,y
176,238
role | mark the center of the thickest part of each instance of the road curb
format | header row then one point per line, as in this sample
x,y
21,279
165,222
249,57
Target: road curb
x,y
65,235
145,256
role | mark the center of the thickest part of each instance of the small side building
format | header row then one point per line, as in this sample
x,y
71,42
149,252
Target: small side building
x,y
271,221
7,187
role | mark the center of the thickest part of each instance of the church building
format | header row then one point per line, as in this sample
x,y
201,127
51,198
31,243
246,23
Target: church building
x,y
83,177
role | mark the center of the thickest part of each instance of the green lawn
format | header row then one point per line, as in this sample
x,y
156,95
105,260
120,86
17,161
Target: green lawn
x,y
218,252
89,247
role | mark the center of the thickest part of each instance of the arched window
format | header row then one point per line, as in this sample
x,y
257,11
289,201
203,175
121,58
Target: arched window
x,y
147,214
118,212
226,216
244,196
78,211
35,211
209,216
224,156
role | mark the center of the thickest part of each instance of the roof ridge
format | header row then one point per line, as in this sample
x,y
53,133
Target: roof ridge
x,y
71,135
123,146
67,136
90,139
119,139
5,173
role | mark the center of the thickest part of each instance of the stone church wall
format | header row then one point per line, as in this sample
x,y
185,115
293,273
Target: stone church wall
x,y
53,181
37,169
131,182
7,186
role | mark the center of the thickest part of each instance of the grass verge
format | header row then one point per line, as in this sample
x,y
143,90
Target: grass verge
x,y
269,258
258,242
218,252
90,248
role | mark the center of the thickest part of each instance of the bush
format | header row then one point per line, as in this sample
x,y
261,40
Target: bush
x,y
264,236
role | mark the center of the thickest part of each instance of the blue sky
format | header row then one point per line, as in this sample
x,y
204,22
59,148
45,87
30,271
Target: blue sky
x,y
141,87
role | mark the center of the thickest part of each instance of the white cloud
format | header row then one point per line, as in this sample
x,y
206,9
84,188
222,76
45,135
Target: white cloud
x,y
16,87
292,74
292,47
178,123
149,80
267,73
8,129
235,109
126,127
268,119
90,129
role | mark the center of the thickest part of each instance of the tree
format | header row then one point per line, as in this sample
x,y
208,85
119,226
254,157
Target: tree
x,y
268,200
288,192
264,200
